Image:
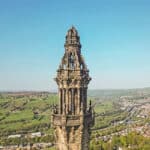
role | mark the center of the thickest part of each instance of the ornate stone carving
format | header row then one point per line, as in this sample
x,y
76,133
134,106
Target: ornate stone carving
x,y
73,120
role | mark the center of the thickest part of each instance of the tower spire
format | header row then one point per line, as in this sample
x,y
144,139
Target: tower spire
x,y
73,119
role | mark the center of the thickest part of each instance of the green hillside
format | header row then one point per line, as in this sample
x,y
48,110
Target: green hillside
x,y
27,112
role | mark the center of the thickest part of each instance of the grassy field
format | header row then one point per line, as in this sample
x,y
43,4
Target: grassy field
x,y
20,114
31,111
23,113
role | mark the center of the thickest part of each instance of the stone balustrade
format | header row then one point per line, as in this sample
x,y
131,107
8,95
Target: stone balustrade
x,y
71,120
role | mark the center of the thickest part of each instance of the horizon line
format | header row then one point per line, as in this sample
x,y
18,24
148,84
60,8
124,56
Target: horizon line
x,y
54,90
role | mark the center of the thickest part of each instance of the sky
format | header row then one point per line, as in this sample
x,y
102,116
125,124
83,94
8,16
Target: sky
x,y
115,38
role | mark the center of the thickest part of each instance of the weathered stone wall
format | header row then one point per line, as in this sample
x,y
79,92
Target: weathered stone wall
x,y
72,138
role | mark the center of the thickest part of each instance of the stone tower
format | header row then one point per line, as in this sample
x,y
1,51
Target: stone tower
x,y
72,119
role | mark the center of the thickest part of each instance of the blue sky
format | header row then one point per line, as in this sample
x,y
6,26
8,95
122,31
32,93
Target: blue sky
x,y
115,37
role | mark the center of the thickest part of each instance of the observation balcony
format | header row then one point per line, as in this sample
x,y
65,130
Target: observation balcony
x,y
72,120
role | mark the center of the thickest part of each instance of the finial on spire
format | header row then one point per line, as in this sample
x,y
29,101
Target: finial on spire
x,y
72,27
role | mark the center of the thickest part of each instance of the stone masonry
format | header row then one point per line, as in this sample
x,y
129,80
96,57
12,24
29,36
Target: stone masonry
x,y
72,119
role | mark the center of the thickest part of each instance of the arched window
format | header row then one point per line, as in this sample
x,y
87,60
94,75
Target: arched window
x,y
81,66
71,61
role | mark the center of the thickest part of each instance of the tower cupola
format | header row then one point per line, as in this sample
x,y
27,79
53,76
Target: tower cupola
x,y
72,38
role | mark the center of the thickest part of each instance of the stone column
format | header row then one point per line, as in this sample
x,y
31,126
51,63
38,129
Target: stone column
x,y
73,102
85,98
67,101
78,101
62,101
60,97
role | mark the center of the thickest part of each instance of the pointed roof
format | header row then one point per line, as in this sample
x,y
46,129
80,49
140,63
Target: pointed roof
x,y
72,32
72,37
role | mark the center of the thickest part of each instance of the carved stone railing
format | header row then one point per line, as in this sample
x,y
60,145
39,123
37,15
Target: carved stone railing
x,y
72,120
65,120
